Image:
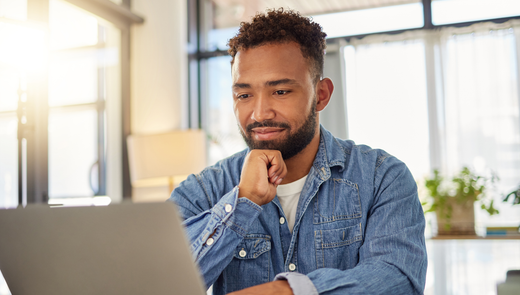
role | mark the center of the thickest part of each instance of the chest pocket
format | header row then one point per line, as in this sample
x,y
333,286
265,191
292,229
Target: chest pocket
x,y
250,264
338,248
338,199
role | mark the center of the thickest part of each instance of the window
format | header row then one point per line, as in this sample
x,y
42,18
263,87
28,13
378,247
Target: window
x,y
9,160
17,43
481,102
382,19
13,9
459,11
392,116
63,83
83,73
473,113
222,129
61,100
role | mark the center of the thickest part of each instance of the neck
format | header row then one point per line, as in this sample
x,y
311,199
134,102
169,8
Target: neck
x,y
300,165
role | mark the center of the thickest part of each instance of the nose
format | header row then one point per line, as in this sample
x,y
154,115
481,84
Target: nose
x,y
263,109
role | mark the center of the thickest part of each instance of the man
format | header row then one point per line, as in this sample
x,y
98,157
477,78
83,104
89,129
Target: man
x,y
300,211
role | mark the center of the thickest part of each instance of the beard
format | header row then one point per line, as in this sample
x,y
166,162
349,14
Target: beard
x,y
290,146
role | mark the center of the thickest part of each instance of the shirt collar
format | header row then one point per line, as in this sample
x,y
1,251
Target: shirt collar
x,y
330,153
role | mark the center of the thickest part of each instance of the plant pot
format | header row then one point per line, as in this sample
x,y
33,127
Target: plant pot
x,y
462,221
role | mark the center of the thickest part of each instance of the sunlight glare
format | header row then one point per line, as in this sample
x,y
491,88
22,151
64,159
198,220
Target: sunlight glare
x,y
454,11
71,26
22,48
365,21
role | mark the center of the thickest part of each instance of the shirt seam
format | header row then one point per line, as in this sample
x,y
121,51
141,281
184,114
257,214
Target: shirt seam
x,y
201,182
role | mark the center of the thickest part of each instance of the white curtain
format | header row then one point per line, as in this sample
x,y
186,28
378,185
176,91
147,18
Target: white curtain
x,y
443,99
480,81
386,97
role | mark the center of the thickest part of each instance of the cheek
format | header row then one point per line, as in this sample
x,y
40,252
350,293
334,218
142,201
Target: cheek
x,y
300,112
240,116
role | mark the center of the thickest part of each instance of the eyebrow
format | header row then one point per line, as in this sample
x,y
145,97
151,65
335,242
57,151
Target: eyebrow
x,y
268,83
241,85
279,82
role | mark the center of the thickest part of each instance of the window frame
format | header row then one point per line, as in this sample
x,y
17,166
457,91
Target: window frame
x,y
34,133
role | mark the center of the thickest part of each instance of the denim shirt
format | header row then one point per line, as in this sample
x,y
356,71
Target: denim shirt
x,y
359,226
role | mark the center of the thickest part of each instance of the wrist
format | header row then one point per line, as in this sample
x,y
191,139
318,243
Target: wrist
x,y
282,287
244,193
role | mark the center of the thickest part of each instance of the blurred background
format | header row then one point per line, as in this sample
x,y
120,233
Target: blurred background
x,y
434,82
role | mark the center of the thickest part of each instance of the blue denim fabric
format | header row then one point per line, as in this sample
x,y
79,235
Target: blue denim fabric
x,y
359,225
299,283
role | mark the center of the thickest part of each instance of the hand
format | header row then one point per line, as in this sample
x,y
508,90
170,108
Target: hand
x,y
274,288
263,171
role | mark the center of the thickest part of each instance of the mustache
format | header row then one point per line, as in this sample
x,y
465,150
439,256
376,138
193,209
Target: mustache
x,y
267,123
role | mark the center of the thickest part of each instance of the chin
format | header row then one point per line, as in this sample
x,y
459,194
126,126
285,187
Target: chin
x,y
264,144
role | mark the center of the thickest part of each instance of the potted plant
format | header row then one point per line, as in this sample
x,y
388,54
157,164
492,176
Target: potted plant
x,y
515,196
453,200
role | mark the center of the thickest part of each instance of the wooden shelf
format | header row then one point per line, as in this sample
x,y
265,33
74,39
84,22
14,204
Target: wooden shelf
x,y
474,237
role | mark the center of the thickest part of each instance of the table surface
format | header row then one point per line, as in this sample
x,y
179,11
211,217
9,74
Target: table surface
x,y
469,265
458,265
475,237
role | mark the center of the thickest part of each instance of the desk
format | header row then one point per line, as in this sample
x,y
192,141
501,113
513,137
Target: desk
x,y
472,237
469,265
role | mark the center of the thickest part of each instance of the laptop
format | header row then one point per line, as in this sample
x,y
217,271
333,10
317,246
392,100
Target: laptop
x,y
118,249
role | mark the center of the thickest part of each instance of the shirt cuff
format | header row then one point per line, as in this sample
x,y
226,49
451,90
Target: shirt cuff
x,y
299,283
237,213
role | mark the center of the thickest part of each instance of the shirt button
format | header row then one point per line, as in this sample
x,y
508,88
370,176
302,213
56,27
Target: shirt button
x,y
282,220
292,267
228,208
242,253
210,241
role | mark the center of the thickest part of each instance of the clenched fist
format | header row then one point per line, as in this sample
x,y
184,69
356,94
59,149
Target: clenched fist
x,y
262,172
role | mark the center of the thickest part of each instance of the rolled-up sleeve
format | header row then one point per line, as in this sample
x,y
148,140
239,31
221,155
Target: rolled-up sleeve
x,y
299,283
214,230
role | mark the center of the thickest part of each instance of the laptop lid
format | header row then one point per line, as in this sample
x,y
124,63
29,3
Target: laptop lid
x,y
117,249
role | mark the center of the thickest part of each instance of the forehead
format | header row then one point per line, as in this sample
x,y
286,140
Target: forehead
x,y
271,60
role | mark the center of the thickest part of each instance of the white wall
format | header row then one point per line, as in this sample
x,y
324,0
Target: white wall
x,y
159,65
159,74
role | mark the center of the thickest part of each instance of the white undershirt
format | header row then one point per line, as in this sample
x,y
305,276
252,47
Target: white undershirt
x,y
289,195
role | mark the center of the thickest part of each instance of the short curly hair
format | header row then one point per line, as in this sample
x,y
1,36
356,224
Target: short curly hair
x,y
280,26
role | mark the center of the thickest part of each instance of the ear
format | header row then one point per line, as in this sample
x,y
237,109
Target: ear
x,y
324,91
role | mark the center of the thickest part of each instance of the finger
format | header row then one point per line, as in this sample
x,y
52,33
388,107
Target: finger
x,y
275,160
280,173
284,171
281,176
277,168
274,169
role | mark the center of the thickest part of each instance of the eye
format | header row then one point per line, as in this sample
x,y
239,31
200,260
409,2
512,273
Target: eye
x,y
243,96
281,92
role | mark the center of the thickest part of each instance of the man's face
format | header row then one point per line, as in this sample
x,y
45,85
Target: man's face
x,y
274,98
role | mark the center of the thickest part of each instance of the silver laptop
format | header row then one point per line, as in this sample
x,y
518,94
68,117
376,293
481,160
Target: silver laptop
x,y
118,249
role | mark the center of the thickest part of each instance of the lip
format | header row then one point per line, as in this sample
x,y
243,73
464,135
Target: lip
x,y
267,133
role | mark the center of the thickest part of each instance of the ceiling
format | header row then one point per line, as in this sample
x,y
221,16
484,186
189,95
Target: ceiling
x,y
229,13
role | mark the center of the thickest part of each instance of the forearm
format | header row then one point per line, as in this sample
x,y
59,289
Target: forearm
x,y
370,278
374,277
215,233
378,275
